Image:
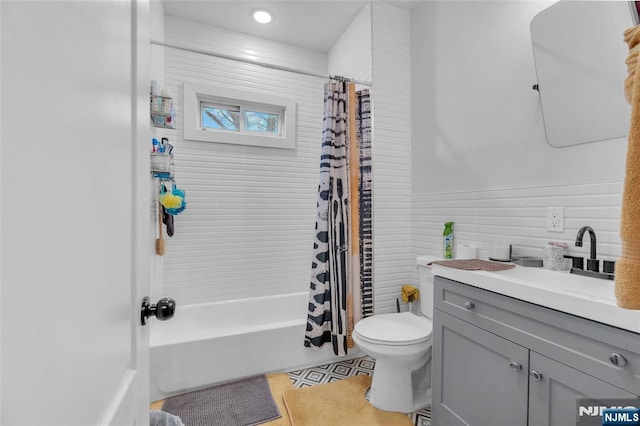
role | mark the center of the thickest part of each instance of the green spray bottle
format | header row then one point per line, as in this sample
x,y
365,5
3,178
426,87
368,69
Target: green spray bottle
x,y
447,237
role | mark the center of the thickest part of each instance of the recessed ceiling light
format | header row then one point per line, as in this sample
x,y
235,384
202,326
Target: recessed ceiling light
x,y
261,16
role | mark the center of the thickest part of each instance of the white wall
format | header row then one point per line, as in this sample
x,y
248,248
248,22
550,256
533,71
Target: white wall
x,y
394,261
480,154
350,55
518,216
156,17
461,72
248,227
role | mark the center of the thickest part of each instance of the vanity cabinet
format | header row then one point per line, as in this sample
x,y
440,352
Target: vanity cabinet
x,y
553,392
502,361
475,376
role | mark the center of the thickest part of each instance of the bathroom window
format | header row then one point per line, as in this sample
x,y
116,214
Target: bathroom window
x,y
256,121
227,115
219,117
241,118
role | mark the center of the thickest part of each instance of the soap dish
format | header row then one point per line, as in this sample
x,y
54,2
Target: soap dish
x,y
528,261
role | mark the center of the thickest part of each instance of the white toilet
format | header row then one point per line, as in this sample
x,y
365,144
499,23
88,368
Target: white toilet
x,y
401,345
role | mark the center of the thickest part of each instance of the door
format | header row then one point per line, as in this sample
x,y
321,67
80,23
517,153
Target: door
x,y
479,378
74,219
554,389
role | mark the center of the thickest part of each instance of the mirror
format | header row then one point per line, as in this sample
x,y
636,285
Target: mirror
x,y
579,55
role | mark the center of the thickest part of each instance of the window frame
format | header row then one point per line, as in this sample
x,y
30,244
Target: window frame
x,y
196,94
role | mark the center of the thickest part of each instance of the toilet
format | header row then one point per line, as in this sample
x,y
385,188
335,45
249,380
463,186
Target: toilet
x,y
401,345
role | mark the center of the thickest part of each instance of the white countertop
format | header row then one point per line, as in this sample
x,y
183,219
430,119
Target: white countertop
x,y
586,297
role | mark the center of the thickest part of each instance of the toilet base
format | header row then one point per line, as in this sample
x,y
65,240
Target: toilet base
x,y
418,404
394,388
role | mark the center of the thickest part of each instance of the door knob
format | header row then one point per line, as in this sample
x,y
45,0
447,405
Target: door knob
x,y
163,310
536,375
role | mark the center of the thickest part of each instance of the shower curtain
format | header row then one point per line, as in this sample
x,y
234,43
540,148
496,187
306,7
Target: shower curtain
x,y
340,288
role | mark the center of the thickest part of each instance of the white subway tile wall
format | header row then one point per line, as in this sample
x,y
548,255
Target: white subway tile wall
x,y
394,260
518,216
247,230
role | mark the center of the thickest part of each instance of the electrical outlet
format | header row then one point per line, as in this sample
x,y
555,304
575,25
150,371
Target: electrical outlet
x,y
555,219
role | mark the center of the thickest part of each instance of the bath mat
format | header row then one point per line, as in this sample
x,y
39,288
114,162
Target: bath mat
x,y
338,403
474,265
279,384
243,403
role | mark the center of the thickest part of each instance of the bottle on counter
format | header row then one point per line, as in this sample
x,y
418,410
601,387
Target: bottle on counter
x,y
447,241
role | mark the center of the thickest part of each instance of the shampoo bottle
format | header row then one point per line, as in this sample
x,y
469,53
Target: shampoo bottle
x,y
447,238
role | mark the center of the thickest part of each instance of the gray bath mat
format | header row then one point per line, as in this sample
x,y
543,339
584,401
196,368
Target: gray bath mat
x,y
243,403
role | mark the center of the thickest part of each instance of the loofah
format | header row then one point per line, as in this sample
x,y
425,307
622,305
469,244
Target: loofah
x,y
170,200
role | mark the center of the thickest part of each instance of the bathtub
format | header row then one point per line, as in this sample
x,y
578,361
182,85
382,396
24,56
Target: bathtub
x,y
211,343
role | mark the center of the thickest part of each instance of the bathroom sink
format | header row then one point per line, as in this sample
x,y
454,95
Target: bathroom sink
x,y
560,281
583,296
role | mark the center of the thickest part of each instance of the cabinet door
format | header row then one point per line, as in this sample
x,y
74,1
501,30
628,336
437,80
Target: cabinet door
x,y
478,377
554,390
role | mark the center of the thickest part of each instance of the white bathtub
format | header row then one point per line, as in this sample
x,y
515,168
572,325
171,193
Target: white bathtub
x,y
212,343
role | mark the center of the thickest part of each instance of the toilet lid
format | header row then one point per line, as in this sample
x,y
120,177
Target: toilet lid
x,y
395,329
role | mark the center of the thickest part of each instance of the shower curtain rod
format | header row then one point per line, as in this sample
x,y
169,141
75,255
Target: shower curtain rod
x,y
249,61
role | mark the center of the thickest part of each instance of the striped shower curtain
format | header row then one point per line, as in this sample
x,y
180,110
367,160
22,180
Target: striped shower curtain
x,y
340,288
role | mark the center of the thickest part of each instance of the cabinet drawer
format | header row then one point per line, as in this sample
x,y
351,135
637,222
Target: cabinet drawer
x,y
577,342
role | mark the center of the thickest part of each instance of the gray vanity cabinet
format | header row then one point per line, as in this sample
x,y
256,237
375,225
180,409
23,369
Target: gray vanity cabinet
x,y
501,361
552,398
473,368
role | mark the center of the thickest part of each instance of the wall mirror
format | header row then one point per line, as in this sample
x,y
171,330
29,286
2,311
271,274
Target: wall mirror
x,y
579,55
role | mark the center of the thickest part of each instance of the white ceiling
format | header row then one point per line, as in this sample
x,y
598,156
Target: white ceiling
x,y
314,24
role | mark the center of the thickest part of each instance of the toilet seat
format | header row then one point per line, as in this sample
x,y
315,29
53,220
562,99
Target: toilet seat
x,y
394,329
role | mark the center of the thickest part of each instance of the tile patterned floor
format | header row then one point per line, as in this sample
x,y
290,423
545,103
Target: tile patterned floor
x,y
328,373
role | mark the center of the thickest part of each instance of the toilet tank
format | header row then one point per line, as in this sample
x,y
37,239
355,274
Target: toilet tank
x,y
425,281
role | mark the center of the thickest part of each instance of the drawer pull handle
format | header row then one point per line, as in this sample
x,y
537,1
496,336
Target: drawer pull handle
x,y
469,305
515,366
536,375
618,360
